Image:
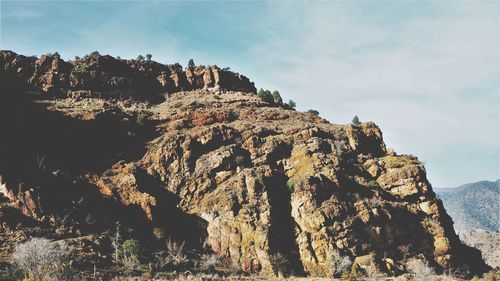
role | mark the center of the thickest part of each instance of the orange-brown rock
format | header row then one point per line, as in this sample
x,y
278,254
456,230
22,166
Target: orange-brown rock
x,y
251,179
106,76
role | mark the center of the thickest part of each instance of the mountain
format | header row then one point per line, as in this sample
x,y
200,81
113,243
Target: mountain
x,y
100,146
473,206
488,242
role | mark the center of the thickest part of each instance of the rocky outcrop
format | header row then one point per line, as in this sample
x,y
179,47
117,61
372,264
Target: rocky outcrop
x,y
105,76
251,179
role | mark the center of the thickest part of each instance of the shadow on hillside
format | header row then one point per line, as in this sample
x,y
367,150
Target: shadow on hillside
x,y
282,228
179,226
43,154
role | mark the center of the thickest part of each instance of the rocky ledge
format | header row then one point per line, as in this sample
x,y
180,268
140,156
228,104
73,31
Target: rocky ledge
x,y
217,168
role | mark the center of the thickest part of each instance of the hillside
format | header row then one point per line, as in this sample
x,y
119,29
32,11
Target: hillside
x,y
101,148
488,242
473,206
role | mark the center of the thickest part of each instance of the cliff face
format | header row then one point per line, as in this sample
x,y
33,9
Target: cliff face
x,y
250,178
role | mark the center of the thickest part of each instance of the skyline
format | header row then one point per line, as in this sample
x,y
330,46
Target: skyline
x,y
426,73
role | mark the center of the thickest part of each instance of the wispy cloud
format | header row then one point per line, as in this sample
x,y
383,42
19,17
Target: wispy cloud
x,y
20,13
430,80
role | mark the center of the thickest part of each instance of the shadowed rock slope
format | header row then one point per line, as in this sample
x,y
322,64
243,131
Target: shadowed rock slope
x,y
250,178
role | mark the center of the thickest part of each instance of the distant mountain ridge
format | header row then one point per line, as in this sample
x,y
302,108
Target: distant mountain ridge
x,y
473,206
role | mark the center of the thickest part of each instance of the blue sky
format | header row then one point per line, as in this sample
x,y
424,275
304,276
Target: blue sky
x,y
426,72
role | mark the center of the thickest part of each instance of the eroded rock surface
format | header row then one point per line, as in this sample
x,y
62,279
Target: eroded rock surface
x,y
250,178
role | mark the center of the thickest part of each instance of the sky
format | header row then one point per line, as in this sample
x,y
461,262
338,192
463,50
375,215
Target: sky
x,y
426,72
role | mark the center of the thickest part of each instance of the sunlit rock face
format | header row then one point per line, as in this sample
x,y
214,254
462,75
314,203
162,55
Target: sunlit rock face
x,y
212,163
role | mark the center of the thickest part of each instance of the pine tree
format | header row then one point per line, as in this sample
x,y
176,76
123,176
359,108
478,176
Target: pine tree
x,y
313,111
277,97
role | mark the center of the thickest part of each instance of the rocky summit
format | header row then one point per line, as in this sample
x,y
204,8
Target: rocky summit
x,y
194,155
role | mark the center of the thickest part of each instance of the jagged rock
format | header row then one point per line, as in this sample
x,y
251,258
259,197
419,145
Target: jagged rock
x,y
252,179
105,76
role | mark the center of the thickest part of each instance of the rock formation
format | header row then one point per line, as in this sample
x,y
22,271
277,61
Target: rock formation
x,y
106,76
252,179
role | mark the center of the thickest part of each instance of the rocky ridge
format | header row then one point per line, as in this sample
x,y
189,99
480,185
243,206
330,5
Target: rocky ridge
x,y
211,166
105,76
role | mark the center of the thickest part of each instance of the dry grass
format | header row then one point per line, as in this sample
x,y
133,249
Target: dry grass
x,y
394,162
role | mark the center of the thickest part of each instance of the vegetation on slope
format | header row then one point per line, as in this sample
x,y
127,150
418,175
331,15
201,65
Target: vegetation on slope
x,y
473,206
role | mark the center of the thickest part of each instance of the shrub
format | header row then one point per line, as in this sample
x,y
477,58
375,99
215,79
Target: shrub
x,y
139,119
140,58
184,107
40,162
312,111
277,97
265,95
355,120
131,247
290,184
148,57
159,233
373,184
77,58
78,69
279,263
191,63
291,104
130,263
208,263
175,252
56,55
89,219
492,275
340,263
116,243
40,258
229,266
177,67
13,274
420,270
240,161
404,250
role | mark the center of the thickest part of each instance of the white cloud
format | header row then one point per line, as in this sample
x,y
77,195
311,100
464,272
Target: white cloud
x,y
430,81
20,13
